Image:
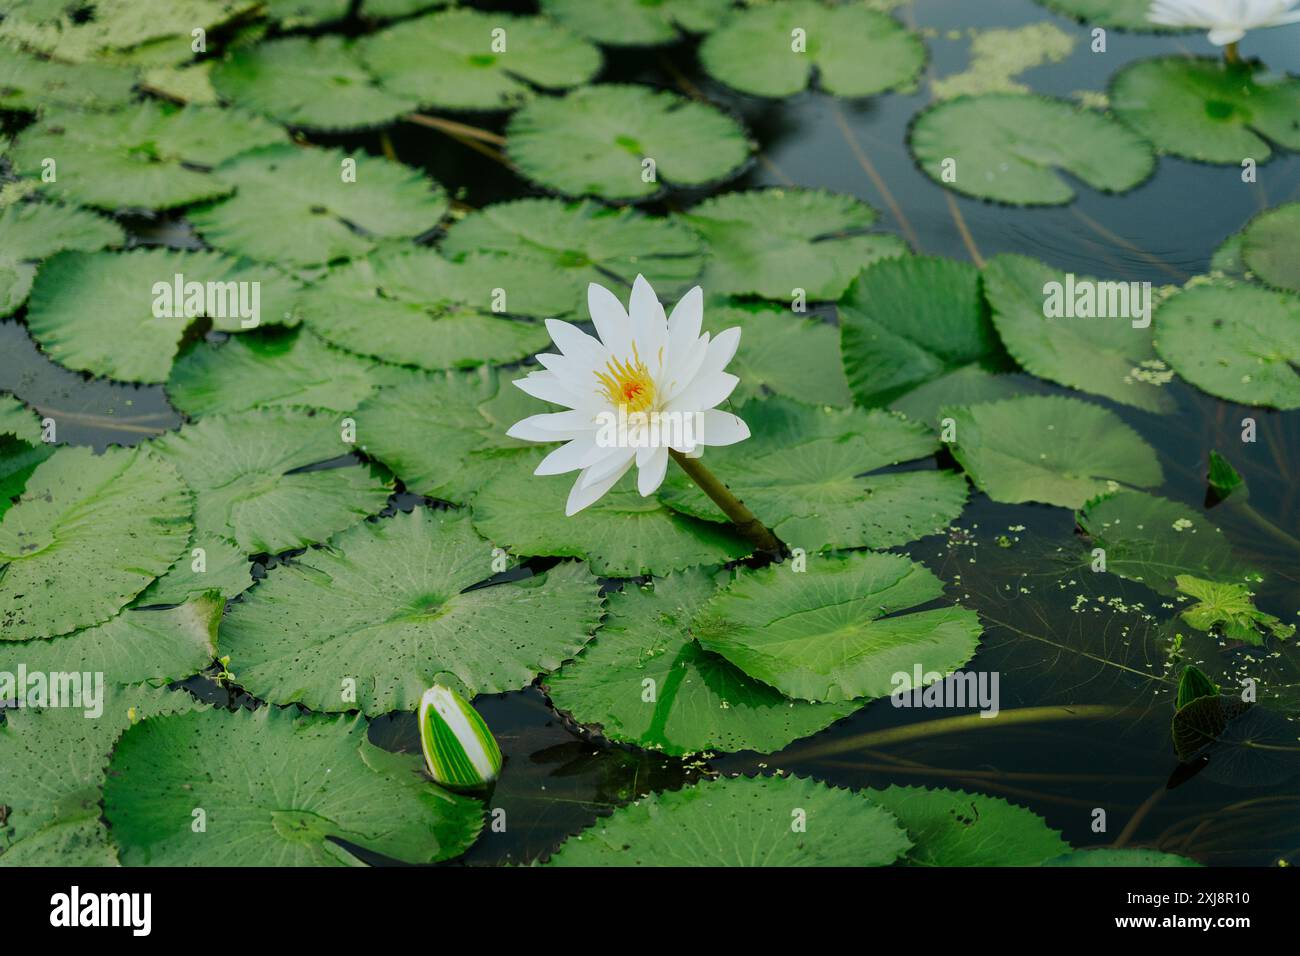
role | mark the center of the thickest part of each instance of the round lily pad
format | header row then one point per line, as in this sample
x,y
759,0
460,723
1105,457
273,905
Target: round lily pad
x,y
774,242
88,534
253,484
1125,856
276,789
636,22
1048,448
150,156
1269,244
774,50
619,141
313,82
645,681
782,352
742,821
30,231
1008,147
1123,14
843,629
910,320
584,242
1237,342
1208,110
475,60
303,207
390,606
30,83
412,306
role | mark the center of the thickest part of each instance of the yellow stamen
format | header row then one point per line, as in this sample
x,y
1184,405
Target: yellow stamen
x,y
628,384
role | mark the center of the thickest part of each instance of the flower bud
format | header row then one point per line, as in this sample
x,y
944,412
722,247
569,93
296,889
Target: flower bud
x,y
459,750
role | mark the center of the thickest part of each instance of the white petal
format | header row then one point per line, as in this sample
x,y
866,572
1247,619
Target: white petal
x,y
650,470
649,325
550,388
610,319
684,323
580,497
721,428
613,461
577,344
684,366
553,426
566,457
704,392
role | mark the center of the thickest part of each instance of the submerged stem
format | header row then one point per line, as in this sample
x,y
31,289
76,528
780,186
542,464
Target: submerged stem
x,y
1230,54
744,519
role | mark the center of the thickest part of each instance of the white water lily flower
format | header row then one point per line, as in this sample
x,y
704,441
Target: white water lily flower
x,y
1227,20
647,384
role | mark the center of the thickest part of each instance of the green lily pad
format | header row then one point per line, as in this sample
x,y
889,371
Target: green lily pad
x,y
389,606
741,821
18,420
99,312
412,306
253,484
295,208
855,51
1230,609
621,535
31,231
306,13
965,386
276,790
1125,856
457,60
782,352
636,22
1048,448
772,242
1008,147
30,83
1237,342
911,320
596,140
447,455
1208,110
1153,540
839,630
1121,364
645,681
800,474
956,828
211,564
584,242
1269,243
275,367
318,83
1123,14
89,534
150,156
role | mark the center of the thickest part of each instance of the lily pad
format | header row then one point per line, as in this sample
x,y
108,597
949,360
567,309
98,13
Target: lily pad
x,y
89,534
841,630
151,156
275,367
18,420
956,828
584,242
645,681
1268,246
1208,110
295,207
451,454
292,786
254,485
389,606
412,306
1122,14
1153,540
457,60
1229,609
621,535
782,352
854,50
741,821
34,230
911,320
635,22
1126,856
800,474
1121,365
773,242
318,83
1047,448
1008,147
965,386
100,312
1237,342
596,141
30,83
211,564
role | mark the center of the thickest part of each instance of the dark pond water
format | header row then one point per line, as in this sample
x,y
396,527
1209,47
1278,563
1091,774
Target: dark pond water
x,y
1111,749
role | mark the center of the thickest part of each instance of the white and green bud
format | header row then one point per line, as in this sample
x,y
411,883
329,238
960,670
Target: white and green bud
x,y
459,750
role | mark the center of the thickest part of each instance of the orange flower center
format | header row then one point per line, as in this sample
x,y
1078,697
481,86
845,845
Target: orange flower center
x,y
628,384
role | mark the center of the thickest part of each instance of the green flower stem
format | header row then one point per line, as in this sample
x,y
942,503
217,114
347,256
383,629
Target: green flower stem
x,y
1230,53
1263,524
744,519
